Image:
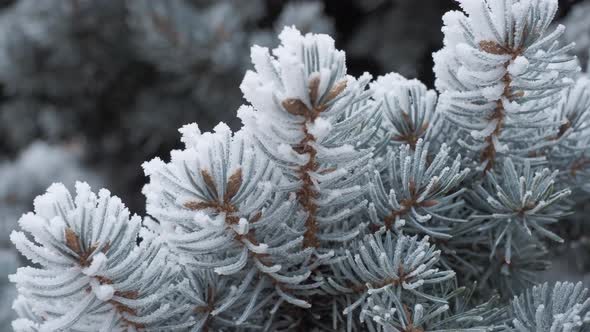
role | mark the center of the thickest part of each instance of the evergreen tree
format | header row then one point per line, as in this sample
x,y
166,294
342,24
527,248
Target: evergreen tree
x,y
342,204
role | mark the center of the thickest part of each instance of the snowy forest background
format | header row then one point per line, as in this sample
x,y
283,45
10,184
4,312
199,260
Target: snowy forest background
x,y
90,89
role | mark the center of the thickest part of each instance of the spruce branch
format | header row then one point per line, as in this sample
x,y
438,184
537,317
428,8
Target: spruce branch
x,y
499,73
385,267
317,124
90,269
518,201
558,308
220,207
408,107
409,191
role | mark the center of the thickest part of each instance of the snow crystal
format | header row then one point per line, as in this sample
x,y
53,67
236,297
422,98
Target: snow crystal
x,y
33,223
479,18
386,83
487,131
294,79
153,166
261,60
206,221
518,66
493,92
285,151
320,128
499,146
242,227
23,324
44,204
99,262
103,292
190,134
339,151
261,248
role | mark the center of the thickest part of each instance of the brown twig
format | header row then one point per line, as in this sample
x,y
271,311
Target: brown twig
x,y
406,205
488,155
307,193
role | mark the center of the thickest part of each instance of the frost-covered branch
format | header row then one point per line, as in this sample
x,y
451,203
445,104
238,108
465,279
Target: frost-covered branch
x,y
342,204
90,270
500,71
316,123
